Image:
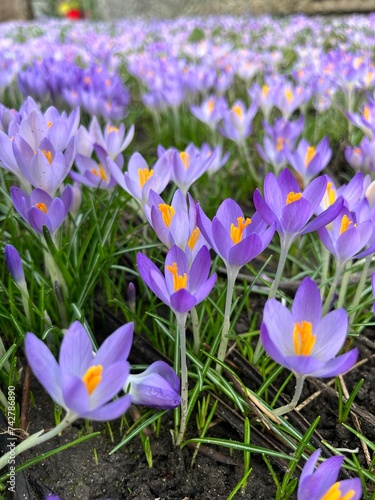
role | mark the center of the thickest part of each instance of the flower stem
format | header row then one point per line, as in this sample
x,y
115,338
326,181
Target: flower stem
x,y
344,285
232,274
39,438
181,323
326,256
297,394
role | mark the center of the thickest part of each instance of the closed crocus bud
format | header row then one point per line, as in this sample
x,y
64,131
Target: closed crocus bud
x,y
14,264
131,296
158,386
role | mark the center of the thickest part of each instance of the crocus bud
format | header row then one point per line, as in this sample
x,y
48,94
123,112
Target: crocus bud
x,y
14,264
158,386
131,296
370,194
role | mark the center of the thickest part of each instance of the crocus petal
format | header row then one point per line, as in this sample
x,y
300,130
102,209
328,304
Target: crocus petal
x,y
307,304
76,350
244,251
351,485
337,366
330,335
116,347
110,411
295,216
270,347
113,380
204,289
303,365
279,322
182,301
199,269
75,393
44,367
223,241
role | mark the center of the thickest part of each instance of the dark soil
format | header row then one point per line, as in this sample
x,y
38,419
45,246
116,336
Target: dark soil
x,y
88,472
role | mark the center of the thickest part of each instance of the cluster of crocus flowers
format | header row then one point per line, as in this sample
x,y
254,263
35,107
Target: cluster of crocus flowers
x,y
303,340
323,484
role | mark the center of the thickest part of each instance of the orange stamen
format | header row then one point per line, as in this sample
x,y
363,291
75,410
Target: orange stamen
x,y
310,153
303,338
143,175
292,197
289,95
167,213
42,207
48,155
111,128
334,493
237,109
185,158
236,232
49,124
194,238
279,144
345,223
93,377
265,90
211,106
100,173
178,280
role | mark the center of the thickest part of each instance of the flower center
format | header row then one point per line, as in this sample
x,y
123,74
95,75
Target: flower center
x,y
143,175
49,124
334,493
303,338
330,195
167,213
48,155
279,144
100,172
93,377
236,232
366,113
111,128
185,158
310,153
210,106
238,111
178,280
265,90
42,207
289,95
194,238
345,223
292,197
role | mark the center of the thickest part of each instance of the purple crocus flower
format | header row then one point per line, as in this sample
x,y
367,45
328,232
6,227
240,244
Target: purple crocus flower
x,y
39,209
91,173
181,288
140,179
14,263
322,483
308,161
237,121
158,386
84,384
290,208
302,340
235,238
175,224
210,111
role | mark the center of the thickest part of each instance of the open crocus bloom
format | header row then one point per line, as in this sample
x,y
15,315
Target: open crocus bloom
x,y
322,484
302,340
84,384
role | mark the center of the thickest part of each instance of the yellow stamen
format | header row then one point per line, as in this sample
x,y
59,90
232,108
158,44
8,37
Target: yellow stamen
x,y
238,111
194,238
236,232
93,377
49,124
265,90
167,213
330,195
279,144
143,175
178,280
185,158
303,338
366,113
100,173
111,128
211,106
48,155
42,207
345,223
334,493
289,95
292,197
310,153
